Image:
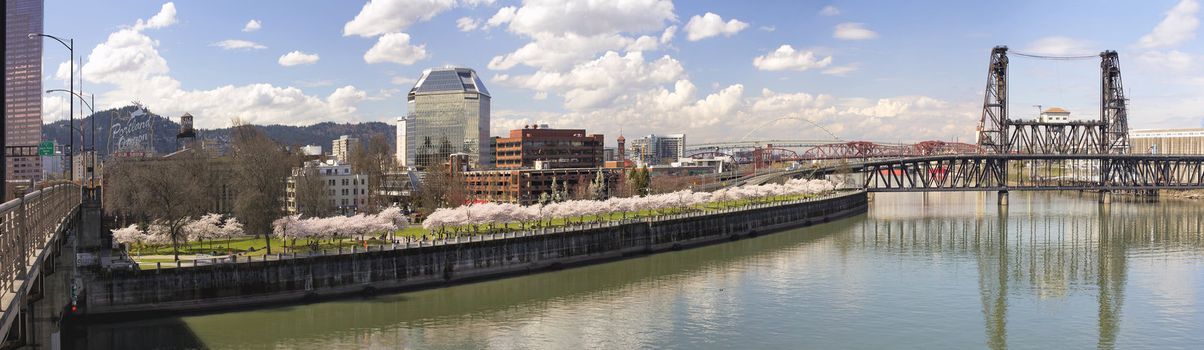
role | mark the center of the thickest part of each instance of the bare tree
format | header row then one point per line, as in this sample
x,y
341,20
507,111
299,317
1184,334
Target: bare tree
x,y
373,161
260,170
313,200
168,191
441,188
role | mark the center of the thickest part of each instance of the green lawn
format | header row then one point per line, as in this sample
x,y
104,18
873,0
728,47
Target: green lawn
x,y
255,246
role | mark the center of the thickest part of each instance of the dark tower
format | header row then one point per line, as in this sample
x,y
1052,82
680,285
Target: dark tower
x,y
186,139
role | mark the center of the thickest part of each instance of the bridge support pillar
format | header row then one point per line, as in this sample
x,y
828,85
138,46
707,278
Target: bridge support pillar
x,y
1105,197
1003,198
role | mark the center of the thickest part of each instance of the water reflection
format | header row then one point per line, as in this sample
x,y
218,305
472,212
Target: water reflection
x,y
930,271
1050,249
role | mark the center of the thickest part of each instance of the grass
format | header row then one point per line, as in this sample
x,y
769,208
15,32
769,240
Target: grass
x,y
255,246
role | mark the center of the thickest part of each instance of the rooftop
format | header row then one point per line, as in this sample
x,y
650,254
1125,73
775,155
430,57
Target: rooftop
x,y
449,80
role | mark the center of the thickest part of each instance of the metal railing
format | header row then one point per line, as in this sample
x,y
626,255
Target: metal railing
x,y
492,236
27,224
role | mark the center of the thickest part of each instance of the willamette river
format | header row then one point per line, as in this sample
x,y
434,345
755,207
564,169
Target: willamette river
x,y
936,271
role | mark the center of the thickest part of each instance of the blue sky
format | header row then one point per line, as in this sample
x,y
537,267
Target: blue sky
x,y
715,70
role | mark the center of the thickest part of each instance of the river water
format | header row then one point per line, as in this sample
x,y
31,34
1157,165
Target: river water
x,y
926,271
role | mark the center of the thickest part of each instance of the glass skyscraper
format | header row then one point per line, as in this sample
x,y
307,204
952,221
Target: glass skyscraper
x,y
448,114
23,85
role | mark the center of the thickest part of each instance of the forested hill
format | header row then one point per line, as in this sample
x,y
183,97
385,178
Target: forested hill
x,y
132,128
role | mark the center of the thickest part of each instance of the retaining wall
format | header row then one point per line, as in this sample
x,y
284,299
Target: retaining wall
x,y
250,284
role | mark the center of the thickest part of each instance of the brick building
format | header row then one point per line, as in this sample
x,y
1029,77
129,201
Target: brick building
x,y
524,186
550,148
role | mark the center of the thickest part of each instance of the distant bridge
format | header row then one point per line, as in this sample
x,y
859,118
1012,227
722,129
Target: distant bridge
x,y
1010,154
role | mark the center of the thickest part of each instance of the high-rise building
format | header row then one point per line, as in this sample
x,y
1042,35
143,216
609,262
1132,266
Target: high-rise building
x,y
23,85
344,147
402,131
659,149
448,114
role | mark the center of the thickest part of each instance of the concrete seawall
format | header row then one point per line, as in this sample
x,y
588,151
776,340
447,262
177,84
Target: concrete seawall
x,y
225,286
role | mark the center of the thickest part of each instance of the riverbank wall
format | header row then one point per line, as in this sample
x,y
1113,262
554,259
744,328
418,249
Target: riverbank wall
x,y
303,279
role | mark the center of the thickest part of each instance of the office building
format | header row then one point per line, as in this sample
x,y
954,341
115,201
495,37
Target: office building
x,y
1167,141
525,186
23,85
539,147
448,113
658,149
344,148
346,190
402,130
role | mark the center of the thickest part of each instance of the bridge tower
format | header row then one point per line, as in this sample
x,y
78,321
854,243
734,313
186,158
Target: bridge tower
x,y
993,127
1113,111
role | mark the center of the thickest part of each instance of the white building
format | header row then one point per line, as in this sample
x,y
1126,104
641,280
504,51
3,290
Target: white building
x,y
347,191
311,150
1055,115
403,124
1167,141
343,147
658,149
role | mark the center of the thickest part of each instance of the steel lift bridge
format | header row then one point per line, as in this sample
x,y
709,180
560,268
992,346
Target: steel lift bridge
x,y
1011,154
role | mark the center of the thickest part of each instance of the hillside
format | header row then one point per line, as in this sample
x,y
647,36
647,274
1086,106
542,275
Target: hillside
x,y
132,128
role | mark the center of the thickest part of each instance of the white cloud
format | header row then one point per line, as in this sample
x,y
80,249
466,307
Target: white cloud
x,y
1059,46
54,107
402,80
395,48
557,52
607,80
829,11
786,58
768,28
252,25
668,34
564,34
297,58
63,73
384,16
853,31
503,16
1173,59
345,98
709,25
591,17
313,83
235,44
126,56
840,70
467,24
165,17
130,64
1178,26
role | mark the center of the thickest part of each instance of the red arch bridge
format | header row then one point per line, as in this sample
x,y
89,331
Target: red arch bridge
x,y
765,152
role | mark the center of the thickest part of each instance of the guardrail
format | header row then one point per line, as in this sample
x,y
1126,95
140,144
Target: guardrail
x,y
488,236
27,224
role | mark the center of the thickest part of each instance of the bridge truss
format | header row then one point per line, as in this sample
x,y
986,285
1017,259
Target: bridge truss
x,y
990,172
1001,134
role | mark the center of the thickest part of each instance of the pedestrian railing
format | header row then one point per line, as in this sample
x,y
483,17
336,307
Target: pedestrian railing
x,y
27,224
409,244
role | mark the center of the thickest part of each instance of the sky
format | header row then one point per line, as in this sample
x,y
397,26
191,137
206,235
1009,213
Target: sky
x,y
898,71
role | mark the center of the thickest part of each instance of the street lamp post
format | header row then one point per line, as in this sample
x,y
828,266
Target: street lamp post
x,y
87,170
70,45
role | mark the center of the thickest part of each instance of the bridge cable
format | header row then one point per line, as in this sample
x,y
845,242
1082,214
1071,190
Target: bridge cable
x,y
1052,57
